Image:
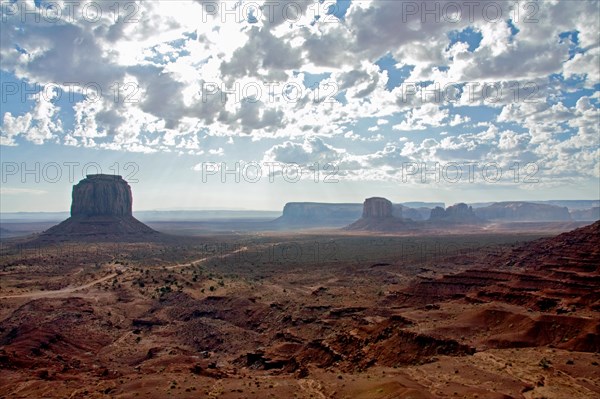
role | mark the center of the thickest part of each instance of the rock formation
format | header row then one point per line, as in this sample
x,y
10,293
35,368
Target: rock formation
x,y
101,209
455,214
379,214
315,214
529,275
102,195
377,207
523,212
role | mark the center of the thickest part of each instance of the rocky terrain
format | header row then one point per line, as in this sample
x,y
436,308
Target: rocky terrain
x,y
101,209
335,316
102,306
561,275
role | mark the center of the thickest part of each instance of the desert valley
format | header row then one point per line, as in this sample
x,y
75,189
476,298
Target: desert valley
x,y
101,305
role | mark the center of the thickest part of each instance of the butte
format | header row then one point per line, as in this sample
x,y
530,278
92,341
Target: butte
x,y
101,209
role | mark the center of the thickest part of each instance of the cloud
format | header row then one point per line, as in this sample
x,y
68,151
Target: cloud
x,y
310,151
188,66
428,115
38,126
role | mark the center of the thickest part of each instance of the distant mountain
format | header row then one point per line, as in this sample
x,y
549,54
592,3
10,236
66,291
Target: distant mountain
x,y
455,214
319,214
378,215
19,217
316,214
591,214
400,210
571,204
523,212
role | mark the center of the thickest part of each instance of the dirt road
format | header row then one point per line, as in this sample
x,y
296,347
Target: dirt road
x,y
70,290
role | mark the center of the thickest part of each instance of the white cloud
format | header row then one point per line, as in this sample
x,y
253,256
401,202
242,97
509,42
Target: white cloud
x,y
428,115
38,126
175,50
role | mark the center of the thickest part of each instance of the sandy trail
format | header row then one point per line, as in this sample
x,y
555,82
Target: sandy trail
x,y
196,261
70,290
66,290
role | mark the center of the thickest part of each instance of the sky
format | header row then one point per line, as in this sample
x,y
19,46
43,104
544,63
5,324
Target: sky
x,y
251,104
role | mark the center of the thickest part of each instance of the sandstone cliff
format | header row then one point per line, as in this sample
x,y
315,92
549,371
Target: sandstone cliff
x,y
380,215
102,195
523,211
377,207
315,214
320,214
455,214
101,209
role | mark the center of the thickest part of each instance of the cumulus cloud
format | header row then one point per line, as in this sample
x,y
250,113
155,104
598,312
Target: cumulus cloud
x,y
38,126
169,72
310,151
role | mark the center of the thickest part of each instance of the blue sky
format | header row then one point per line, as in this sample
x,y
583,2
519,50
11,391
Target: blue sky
x,y
385,98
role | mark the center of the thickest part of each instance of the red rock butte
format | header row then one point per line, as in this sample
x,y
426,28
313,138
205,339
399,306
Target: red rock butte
x,y
101,208
377,207
102,195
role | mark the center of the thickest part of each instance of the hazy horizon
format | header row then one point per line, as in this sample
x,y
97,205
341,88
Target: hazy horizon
x,y
317,202
252,105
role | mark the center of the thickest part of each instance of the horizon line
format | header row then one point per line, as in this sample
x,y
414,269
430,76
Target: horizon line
x,y
307,202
